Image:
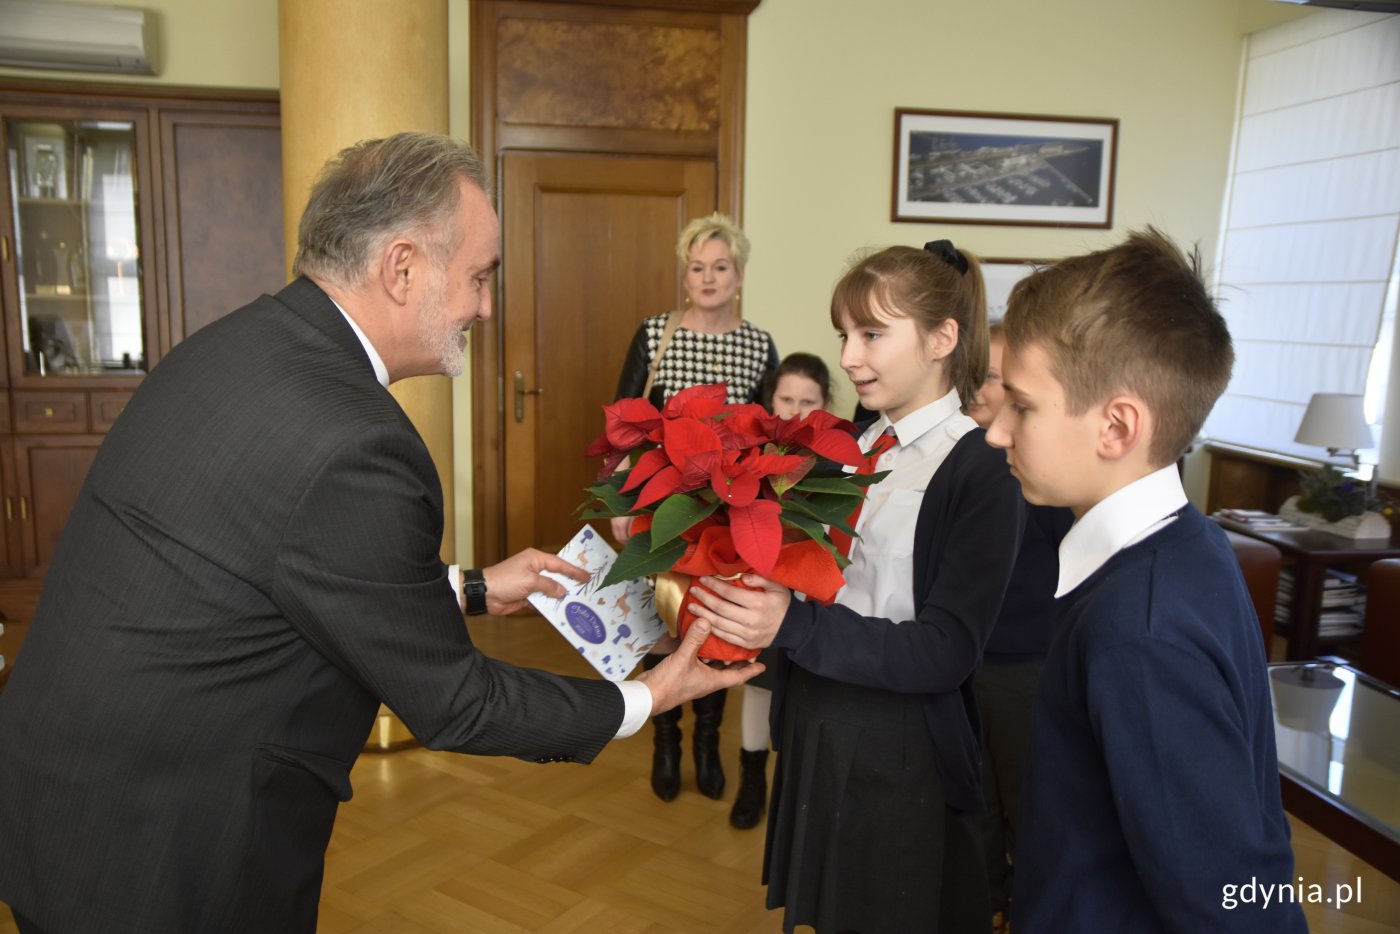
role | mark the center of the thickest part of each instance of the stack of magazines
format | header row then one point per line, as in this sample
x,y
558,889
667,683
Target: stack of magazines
x,y
1254,520
1343,609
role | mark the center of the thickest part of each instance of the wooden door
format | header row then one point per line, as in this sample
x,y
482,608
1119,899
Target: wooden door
x,y
589,251
51,471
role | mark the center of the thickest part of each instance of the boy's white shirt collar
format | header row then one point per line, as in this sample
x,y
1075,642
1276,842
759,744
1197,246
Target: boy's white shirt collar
x,y
1126,516
381,372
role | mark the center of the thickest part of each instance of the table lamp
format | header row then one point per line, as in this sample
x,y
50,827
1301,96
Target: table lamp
x,y
1336,421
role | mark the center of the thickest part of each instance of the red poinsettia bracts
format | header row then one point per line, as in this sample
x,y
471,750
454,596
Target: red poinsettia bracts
x,y
757,489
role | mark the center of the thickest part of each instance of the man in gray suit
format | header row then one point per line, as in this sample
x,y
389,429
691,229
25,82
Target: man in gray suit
x,y
252,566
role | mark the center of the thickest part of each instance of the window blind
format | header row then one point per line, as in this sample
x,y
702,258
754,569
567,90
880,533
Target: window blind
x,y
1311,222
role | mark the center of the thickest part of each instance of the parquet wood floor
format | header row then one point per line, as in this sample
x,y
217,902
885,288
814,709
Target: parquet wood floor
x,y
434,842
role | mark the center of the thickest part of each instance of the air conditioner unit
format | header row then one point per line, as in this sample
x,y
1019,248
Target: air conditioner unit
x,y
77,37
1359,6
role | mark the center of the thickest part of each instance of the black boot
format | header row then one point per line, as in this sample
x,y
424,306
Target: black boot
x,y
709,771
753,789
666,757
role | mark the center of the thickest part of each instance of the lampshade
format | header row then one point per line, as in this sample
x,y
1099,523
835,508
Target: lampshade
x,y
1335,421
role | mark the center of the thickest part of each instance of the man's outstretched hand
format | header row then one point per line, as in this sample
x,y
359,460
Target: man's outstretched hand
x,y
681,676
510,583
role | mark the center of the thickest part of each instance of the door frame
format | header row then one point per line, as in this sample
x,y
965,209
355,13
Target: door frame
x,y
493,136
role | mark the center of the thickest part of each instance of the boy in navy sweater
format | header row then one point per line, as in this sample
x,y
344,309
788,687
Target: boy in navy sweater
x,y
1153,783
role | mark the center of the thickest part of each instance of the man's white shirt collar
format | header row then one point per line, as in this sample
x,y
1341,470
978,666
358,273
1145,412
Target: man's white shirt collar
x,y
1125,517
381,372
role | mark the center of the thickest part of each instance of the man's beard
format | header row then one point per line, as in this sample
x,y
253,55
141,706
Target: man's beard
x,y
436,332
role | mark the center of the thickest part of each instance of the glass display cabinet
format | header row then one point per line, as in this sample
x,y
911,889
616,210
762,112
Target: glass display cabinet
x,y
73,187
129,218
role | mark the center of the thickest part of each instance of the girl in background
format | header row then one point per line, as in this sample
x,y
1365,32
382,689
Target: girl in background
x,y
801,384
872,825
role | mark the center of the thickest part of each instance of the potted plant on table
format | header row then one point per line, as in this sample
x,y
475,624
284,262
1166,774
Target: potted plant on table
x,y
1330,501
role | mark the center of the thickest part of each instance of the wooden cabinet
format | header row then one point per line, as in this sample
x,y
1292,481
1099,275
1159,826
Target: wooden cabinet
x,y
49,472
129,218
11,563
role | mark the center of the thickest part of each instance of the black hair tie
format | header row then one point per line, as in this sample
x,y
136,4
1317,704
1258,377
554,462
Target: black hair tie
x,y
950,254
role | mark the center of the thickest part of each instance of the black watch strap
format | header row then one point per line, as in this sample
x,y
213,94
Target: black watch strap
x,y
473,591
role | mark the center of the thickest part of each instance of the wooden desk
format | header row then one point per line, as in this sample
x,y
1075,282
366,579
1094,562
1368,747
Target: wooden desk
x,y
1313,553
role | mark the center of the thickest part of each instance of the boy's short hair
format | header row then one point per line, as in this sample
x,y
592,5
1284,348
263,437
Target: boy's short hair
x,y
1133,318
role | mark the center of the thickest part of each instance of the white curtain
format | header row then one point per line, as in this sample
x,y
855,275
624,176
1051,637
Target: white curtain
x,y
1312,220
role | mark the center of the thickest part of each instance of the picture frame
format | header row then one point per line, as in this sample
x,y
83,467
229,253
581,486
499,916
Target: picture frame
x,y
962,167
45,165
999,276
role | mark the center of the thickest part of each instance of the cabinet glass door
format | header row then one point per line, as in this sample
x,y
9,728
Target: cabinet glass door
x,y
73,187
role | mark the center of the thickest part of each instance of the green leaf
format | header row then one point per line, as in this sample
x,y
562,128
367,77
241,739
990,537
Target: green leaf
x,y
817,532
677,513
781,483
831,518
811,526
638,559
840,486
850,484
827,507
586,514
609,494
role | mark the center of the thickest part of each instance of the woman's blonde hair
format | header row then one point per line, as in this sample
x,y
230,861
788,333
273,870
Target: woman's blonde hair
x,y
716,226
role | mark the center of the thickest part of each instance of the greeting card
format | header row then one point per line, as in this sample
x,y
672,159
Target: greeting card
x,y
612,627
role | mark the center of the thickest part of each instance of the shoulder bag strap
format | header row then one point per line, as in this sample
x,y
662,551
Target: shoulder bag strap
x,y
673,321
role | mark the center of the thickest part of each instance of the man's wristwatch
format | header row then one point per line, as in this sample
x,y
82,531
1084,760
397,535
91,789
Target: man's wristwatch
x,y
473,591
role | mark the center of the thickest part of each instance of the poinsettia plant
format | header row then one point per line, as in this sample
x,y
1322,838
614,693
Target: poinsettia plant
x,y
718,488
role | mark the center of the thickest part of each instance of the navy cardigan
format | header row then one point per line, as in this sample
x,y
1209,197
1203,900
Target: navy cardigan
x,y
1152,793
965,544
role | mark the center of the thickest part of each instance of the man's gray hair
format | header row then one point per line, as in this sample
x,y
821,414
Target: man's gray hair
x,y
379,189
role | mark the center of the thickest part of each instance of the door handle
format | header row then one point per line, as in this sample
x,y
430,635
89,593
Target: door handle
x,y
24,508
520,393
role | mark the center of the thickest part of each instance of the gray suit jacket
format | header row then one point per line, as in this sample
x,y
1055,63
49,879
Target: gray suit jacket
x,y
250,568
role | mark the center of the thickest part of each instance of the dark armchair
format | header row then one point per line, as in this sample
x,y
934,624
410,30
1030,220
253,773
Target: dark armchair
x,y
1380,639
1259,562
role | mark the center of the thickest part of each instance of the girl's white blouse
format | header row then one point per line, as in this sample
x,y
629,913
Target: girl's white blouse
x,y
879,581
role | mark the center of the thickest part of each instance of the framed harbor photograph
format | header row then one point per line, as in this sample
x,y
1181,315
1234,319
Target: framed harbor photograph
x,y
1015,169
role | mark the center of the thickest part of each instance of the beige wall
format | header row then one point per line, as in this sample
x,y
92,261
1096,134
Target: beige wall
x,y
824,84
824,79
